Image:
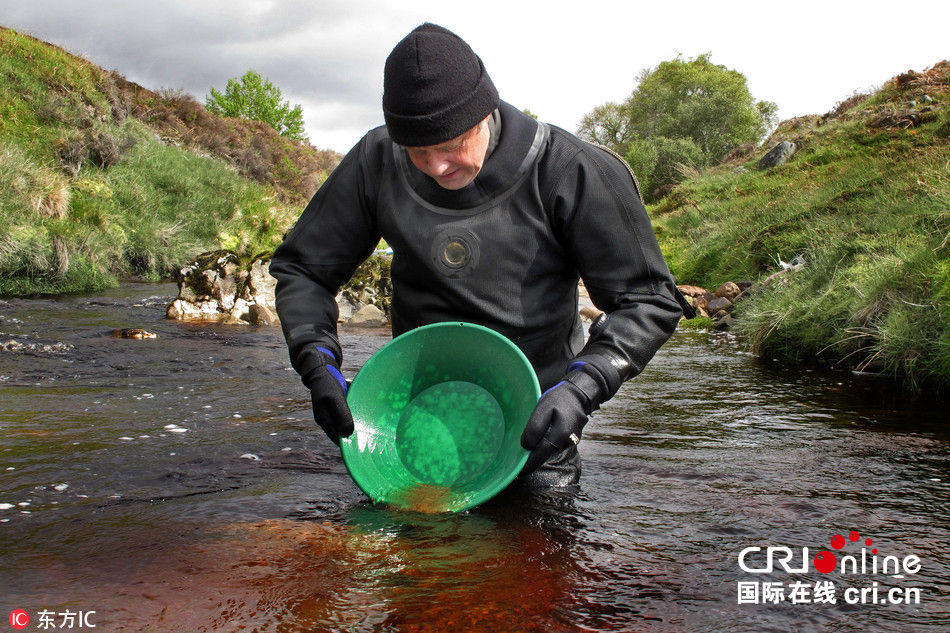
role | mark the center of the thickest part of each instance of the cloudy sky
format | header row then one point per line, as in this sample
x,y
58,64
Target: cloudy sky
x,y
559,59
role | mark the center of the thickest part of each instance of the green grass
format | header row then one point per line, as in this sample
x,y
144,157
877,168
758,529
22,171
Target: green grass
x,y
109,180
866,202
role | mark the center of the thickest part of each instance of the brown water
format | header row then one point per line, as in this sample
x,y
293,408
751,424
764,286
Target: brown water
x,y
179,484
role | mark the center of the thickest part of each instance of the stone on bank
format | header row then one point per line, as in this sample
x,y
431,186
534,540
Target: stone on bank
x,y
217,287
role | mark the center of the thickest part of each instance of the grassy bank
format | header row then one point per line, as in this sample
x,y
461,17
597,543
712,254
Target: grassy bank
x,y
109,180
865,201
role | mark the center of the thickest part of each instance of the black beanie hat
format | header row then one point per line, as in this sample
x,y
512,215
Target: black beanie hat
x,y
435,88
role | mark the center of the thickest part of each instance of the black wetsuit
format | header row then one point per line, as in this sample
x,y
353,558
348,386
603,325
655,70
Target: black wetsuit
x,y
505,252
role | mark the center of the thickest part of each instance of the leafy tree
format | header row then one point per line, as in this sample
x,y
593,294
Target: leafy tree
x,y
608,125
698,100
256,98
706,106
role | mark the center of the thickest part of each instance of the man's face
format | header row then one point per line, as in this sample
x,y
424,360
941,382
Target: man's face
x,y
454,163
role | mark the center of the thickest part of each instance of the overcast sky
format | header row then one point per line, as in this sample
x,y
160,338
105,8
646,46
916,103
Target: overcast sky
x,y
558,59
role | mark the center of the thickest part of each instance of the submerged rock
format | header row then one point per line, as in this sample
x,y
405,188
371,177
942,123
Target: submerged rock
x,y
133,333
36,349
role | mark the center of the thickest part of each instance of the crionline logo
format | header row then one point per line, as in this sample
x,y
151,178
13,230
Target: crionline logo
x,y
800,591
826,562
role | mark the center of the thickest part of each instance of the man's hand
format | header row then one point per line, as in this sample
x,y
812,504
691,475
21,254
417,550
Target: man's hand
x,y
327,392
563,410
557,421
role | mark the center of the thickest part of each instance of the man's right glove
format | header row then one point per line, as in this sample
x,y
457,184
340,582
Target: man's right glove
x,y
320,373
563,410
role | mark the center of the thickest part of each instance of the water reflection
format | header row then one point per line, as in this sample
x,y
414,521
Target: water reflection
x,y
179,484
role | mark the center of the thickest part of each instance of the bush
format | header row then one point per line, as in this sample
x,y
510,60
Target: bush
x,y
661,161
98,147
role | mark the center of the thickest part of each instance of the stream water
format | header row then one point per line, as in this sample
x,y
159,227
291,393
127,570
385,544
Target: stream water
x,y
180,484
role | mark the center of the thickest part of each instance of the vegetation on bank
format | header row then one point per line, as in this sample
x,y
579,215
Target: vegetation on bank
x,y
683,116
104,179
865,200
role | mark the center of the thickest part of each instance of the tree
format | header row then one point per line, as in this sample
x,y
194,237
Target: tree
x,y
256,98
696,99
607,125
691,111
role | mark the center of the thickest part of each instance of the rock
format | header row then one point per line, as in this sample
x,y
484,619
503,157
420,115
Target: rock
x,y
697,297
724,321
718,304
133,333
260,285
218,287
692,291
260,314
184,310
208,288
589,313
370,284
778,155
36,349
347,307
728,290
368,317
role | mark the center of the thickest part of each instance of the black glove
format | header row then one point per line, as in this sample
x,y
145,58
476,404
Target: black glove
x,y
320,373
559,418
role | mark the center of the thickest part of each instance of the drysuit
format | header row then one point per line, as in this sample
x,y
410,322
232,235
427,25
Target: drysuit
x,y
506,252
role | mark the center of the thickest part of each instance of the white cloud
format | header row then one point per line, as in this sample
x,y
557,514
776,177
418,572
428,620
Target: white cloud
x,y
558,59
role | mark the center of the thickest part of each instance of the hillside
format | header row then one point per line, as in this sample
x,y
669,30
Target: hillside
x,y
110,180
865,201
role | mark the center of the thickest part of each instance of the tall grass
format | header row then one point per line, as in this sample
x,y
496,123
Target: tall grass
x,y
144,217
866,202
109,180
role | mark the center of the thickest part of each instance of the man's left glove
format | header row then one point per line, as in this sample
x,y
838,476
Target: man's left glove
x,y
320,373
560,415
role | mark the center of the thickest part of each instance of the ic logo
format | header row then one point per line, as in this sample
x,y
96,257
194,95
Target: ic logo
x,y
19,619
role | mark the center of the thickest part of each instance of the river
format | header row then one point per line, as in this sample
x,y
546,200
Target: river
x,y
180,484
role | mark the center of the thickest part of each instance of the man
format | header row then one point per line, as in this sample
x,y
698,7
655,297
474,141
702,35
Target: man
x,y
492,218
